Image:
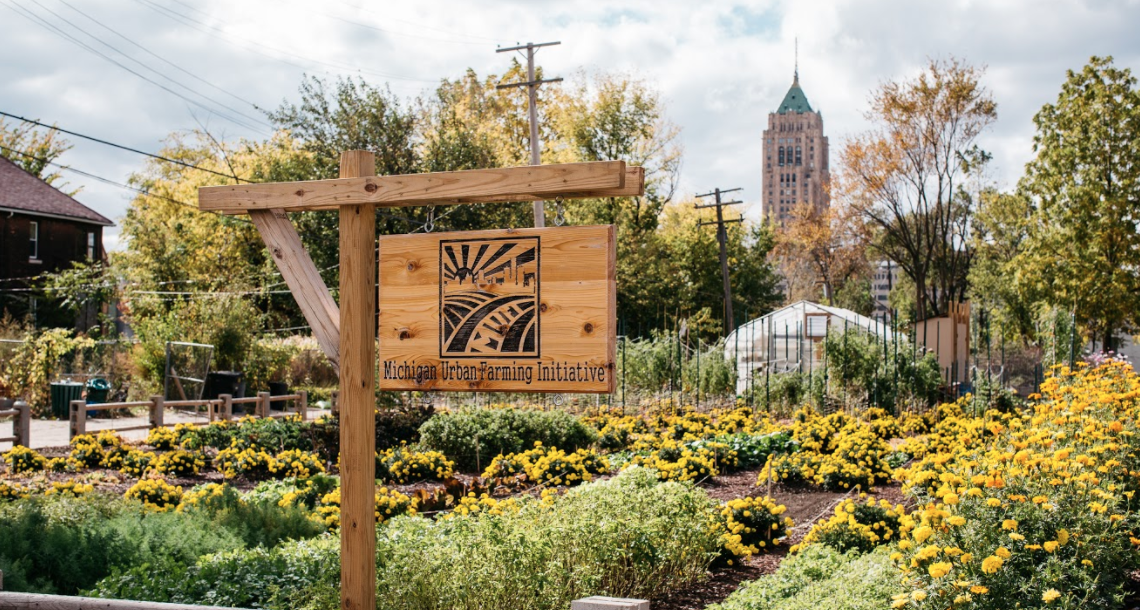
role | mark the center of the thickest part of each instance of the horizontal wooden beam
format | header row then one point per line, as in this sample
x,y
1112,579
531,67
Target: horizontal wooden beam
x,y
33,601
634,187
527,183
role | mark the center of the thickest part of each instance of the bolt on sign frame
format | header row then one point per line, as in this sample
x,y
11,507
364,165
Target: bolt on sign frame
x,y
347,334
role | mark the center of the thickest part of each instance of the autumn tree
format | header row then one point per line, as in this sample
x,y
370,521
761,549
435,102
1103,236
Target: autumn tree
x,y
903,175
826,241
1083,246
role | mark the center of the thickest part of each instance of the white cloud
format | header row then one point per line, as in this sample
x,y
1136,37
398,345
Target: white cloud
x,y
722,65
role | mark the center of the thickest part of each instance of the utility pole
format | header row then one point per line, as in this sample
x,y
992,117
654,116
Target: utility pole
x,y
532,105
722,238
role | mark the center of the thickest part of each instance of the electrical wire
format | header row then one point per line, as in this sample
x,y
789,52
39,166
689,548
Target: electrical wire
x,y
159,57
224,35
35,18
122,147
147,67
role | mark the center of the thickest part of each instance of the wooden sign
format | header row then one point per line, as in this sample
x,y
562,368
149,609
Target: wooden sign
x,y
519,310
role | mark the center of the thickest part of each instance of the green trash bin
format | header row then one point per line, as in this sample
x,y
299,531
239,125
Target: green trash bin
x,y
62,393
97,391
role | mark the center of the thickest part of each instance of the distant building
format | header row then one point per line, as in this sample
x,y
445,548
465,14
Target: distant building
x,y
42,230
886,277
795,157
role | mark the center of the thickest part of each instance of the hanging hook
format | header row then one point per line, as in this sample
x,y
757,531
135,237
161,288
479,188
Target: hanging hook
x,y
557,399
560,214
429,226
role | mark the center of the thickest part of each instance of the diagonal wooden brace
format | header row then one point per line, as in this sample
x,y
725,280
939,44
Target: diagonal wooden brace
x,y
302,277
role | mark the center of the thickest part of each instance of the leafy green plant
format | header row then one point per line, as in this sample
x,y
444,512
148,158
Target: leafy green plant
x,y
820,577
473,437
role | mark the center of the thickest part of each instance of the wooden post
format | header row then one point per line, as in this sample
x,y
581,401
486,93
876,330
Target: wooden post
x,y
262,409
357,383
78,418
23,426
227,406
303,404
156,411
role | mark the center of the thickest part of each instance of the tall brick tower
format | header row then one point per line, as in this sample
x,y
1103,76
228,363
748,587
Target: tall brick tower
x,y
795,157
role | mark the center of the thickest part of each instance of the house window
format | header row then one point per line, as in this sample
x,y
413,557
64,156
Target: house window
x,y
34,239
90,246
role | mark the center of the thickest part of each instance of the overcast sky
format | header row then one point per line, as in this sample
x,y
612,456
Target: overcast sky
x,y
721,66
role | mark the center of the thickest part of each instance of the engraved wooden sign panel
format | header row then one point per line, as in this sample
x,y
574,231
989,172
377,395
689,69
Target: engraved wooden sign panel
x,y
517,310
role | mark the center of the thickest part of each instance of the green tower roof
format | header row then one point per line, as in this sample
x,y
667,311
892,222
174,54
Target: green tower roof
x,y
795,100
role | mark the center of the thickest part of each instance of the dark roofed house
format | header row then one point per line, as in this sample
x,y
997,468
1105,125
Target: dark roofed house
x,y
42,230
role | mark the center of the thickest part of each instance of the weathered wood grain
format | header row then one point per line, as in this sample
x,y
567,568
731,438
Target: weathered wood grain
x,y
471,186
357,386
302,277
33,601
576,303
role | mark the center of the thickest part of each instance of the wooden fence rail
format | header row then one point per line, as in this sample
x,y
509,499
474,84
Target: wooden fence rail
x,y
35,601
217,409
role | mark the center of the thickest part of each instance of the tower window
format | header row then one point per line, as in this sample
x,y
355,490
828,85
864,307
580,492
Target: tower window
x,y
781,156
799,156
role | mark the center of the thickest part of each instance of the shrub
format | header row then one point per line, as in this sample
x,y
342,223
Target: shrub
x,y
472,437
163,439
257,521
278,578
752,450
12,491
155,494
69,488
86,451
255,464
749,525
389,503
298,464
178,463
630,536
402,465
820,577
393,427
22,460
860,526
136,462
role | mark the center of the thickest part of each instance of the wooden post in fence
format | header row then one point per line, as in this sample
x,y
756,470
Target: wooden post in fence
x,y
303,404
23,426
262,409
227,406
156,411
358,387
78,418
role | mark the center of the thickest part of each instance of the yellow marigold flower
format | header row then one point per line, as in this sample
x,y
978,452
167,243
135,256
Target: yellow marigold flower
x,y
1051,546
940,569
991,564
1009,524
1063,537
922,533
1050,595
957,520
918,595
993,502
1002,552
979,590
1016,536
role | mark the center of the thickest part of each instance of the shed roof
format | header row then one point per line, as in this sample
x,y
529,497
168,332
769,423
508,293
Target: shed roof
x,y
22,192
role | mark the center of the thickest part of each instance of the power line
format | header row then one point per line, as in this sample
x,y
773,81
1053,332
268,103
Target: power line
x,y
52,27
224,35
120,52
121,147
159,57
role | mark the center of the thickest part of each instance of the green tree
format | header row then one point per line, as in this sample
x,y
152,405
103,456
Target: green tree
x,y
1083,249
999,230
33,150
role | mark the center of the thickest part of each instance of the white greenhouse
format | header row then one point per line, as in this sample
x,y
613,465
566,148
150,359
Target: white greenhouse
x,y
791,339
